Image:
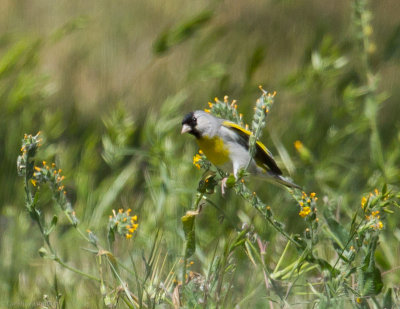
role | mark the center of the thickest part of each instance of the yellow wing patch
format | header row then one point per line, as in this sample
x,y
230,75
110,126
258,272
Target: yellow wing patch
x,y
214,149
236,126
247,132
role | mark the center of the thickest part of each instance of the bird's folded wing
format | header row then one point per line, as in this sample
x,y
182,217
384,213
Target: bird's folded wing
x,y
262,156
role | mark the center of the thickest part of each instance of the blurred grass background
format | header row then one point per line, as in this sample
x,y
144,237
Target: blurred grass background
x,y
108,83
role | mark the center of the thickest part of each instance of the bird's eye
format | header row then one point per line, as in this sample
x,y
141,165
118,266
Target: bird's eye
x,y
194,119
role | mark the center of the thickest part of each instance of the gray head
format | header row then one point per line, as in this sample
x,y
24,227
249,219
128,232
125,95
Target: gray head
x,y
200,123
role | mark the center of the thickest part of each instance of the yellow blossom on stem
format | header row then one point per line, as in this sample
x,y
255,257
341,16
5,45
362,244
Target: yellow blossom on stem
x,y
305,212
196,159
363,202
375,213
122,223
298,145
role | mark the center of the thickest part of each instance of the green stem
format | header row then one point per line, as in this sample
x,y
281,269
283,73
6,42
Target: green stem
x,y
35,216
75,270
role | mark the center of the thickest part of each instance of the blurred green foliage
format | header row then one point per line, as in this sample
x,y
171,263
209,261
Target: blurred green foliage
x,y
108,84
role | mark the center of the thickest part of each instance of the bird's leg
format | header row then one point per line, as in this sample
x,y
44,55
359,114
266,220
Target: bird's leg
x,y
224,180
223,185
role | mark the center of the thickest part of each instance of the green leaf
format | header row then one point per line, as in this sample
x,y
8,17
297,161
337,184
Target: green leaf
x,y
231,181
17,55
181,32
340,234
370,281
188,221
388,300
53,224
369,276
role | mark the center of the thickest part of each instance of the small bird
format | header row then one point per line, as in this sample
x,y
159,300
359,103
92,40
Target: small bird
x,y
226,145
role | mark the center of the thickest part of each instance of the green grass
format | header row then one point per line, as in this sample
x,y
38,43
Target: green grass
x,y
108,86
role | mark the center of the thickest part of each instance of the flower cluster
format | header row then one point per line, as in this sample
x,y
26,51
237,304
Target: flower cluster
x,y
30,145
308,204
48,174
200,161
42,173
123,223
37,174
261,110
226,110
371,209
197,159
31,142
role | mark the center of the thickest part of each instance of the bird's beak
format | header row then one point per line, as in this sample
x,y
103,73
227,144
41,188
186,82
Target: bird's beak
x,y
185,128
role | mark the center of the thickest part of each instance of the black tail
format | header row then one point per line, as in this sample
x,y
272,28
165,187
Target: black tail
x,y
285,181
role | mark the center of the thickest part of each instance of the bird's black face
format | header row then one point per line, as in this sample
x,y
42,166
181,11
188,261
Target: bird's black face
x,y
189,124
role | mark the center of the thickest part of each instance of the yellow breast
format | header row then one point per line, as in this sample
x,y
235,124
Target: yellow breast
x,y
214,149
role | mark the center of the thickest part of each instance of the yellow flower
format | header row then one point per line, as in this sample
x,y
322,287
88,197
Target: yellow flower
x,y
363,201
33,182
298,145
313,194
128,236
375,213
196,159
305,212
379,225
